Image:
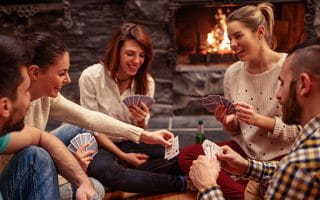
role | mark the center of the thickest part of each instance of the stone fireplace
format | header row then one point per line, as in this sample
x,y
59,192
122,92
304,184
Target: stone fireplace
x,y
189,63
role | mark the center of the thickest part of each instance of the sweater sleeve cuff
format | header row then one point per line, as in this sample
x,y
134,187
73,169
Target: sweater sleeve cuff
x,y
134,134
283,130
278,127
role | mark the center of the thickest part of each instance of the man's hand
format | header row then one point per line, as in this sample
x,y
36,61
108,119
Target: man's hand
x,y
232,162
86,191
162,137
135,159
204,173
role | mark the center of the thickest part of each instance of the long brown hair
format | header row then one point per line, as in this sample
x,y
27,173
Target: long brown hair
x,y
111,59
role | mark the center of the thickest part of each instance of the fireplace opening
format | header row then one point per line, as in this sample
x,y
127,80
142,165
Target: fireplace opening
x,y
201,36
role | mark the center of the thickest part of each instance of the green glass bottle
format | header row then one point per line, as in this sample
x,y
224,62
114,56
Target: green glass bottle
x,y
200,134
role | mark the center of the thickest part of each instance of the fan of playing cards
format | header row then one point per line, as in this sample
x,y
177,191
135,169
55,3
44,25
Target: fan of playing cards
x,y
82,139
136,99
212,101
211,149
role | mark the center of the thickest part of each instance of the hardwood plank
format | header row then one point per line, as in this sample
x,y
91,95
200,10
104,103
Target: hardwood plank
x,y
132,196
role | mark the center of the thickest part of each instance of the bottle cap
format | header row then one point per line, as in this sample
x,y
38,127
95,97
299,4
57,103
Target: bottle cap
x,y
200,122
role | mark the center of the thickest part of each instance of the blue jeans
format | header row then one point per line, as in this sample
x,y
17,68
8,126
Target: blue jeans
x,y
156,176
67,132
31,174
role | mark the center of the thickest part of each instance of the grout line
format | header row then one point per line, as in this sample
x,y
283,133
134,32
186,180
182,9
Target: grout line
x,y
170,123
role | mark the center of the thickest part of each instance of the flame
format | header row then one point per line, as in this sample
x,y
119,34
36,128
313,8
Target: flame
x,y
217,39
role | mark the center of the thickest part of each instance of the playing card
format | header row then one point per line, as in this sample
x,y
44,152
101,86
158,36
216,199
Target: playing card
x,y
136,99
173,150
72,148
82,139
75,143
86,137
210,106
126,101
211,149
212,101
94,147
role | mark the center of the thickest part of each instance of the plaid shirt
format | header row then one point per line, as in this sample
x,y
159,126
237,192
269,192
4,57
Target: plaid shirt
x,y
297,176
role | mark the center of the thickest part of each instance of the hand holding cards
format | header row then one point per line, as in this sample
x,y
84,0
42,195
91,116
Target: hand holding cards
x,y
173,150
136,99
210,149
212,101
82,139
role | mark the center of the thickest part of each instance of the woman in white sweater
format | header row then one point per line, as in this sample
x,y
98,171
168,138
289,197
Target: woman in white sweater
x,y
125,71
256,129
48,74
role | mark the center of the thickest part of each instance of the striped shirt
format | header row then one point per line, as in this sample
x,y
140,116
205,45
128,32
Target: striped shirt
x,y
296,176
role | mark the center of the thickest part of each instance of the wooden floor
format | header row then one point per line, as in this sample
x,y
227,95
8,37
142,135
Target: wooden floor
x,y
132,196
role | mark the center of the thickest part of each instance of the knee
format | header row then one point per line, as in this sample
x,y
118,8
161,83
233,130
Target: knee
x,y
106,172
188,154
39,158
99,188
67,132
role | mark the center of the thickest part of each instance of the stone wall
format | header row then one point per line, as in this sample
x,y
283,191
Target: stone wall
x,y
177,92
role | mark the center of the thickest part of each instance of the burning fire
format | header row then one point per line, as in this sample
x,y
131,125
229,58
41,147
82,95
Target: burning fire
x,y
217,40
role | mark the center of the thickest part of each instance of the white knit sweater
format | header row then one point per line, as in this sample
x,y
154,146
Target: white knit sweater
x,y
259,91
63,110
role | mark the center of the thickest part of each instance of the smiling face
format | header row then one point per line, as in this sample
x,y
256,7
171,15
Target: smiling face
x,y
132,56
244,41
55,76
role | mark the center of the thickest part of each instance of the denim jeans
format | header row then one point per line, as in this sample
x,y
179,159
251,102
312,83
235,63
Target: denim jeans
x,y
31,174
65,133
157,175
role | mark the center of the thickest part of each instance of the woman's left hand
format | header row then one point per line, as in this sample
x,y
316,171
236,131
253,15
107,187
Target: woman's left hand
x,y
246,113
140,113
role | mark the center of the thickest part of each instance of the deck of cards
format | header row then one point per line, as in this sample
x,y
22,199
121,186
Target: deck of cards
x,y
136,99
212,101
173,150
211,149
82,139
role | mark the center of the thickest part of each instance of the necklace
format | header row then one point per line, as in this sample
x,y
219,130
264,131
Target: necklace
x,y
123,83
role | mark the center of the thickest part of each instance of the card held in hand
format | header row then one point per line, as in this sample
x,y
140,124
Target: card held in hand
x,y
211,149
173,150
212,101
82,139
136,99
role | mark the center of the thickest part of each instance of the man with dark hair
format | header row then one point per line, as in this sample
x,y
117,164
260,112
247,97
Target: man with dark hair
x,y
32,172
297,175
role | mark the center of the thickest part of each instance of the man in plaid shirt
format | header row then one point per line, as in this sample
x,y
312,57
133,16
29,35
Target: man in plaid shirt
x,y
297,175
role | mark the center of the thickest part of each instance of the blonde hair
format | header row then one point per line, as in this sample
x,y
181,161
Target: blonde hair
x,y
254,16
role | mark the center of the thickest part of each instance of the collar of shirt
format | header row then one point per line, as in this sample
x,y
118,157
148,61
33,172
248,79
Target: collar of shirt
x,y
307,130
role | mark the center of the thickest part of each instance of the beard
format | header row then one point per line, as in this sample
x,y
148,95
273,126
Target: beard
x,y
11,127
291,109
